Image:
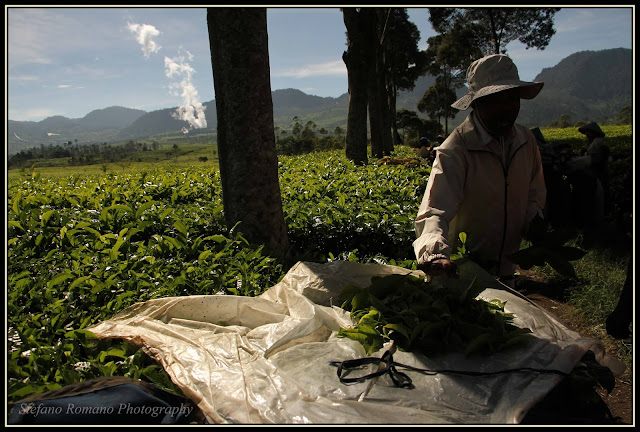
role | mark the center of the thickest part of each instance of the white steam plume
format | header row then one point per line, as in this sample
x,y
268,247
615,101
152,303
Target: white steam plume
x,y
145,33
191,110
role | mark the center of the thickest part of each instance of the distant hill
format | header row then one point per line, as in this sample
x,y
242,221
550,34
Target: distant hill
x,y
98,126
162,121
115,117
587,85
326,112
287,104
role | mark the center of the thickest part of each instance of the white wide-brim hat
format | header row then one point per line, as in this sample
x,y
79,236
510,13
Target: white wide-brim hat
x,y
493,74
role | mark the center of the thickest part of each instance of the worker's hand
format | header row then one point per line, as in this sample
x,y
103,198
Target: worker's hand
x,y
535,230
441,267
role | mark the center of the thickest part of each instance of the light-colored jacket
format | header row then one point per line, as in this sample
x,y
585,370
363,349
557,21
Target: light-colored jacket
x,y
599,152
486,187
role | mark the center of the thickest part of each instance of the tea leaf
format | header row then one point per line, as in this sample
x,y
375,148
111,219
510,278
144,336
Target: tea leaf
x,y
59,279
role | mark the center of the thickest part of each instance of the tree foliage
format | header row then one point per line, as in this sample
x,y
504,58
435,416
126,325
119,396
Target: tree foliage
x,y
405,60
86,154
625,115
448,56
495,28
413,127
437,100
564,122
304,139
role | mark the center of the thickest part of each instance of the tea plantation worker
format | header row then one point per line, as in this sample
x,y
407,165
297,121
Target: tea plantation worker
x,y
600,153
487,179
557,208
425,148
434,149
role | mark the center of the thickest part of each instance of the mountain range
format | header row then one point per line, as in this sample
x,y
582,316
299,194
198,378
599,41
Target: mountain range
x,y
587,85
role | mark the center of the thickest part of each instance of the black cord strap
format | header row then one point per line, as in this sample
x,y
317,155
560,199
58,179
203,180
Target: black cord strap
x,y
401,379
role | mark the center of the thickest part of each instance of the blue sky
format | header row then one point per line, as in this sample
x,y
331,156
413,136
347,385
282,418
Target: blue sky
x,y
70,61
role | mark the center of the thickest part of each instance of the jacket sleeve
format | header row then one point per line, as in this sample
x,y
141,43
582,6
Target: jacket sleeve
x,y
439,205
537,188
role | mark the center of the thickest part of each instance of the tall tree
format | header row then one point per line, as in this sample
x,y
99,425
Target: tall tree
x,y
448,57
496,27
376,85
380,83
382,55
436,102
405,62
357,59
407,120
246,139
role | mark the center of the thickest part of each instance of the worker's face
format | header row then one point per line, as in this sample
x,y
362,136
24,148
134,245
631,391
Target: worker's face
x,y
499,111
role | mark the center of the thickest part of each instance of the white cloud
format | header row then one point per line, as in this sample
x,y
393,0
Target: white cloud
x,y
191,110
332,68
63,86
144,35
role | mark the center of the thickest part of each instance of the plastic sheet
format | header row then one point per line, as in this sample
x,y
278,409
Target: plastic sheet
x,y
266,359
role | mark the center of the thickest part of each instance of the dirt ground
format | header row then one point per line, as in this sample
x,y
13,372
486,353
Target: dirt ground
x,y
620,400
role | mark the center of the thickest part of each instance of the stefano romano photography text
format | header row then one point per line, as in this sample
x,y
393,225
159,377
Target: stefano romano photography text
x,y
122,409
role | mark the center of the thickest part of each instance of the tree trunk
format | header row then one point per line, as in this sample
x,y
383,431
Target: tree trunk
x,y
355,58
246,139
387,113
375,118
376,109
384,79
393,111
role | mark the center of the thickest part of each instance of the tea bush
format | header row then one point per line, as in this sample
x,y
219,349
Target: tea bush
x,y
83,247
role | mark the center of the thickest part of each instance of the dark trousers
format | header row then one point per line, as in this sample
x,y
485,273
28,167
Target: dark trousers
x,y
618,321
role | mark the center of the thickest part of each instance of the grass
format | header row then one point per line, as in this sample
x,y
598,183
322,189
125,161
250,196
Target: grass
x,y
595,292
602,274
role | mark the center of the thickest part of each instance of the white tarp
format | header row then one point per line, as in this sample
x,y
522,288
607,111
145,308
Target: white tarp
x,y
266,359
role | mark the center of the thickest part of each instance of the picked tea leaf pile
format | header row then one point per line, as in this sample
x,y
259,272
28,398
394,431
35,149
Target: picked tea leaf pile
x,y
428,317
